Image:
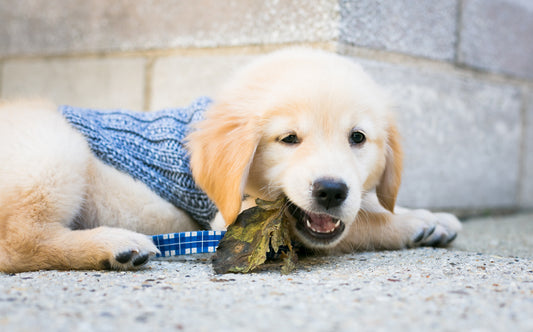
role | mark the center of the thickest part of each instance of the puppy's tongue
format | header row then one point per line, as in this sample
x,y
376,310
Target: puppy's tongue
x,y
322,223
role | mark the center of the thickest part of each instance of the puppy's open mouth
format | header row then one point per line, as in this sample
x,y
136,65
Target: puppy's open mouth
x,y
318,228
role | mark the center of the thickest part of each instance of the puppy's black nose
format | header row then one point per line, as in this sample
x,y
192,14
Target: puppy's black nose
x,y
329,193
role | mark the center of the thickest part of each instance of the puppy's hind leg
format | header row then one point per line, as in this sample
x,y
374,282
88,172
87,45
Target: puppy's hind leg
x,y
44,167
34,232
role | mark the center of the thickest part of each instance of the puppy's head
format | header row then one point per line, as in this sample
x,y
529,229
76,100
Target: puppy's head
x,y
307,124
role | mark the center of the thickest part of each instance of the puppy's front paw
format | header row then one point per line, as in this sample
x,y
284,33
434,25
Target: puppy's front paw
x,y
125,250
431,229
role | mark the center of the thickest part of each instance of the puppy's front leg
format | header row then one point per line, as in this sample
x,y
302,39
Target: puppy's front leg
x,y
378,228
444,227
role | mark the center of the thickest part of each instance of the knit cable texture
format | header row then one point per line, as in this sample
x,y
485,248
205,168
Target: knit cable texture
x,y
149,146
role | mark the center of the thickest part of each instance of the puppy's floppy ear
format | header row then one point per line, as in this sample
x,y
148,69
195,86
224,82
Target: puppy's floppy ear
x,y
389,184
222,148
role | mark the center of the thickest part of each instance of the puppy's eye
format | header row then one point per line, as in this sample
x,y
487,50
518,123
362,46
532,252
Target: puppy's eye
x,y
290,139
357,138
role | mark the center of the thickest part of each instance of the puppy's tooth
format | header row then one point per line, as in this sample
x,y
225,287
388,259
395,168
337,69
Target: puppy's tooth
x,y
308,222
337,224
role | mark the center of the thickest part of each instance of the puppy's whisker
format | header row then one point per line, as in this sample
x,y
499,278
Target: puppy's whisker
x,y
269,189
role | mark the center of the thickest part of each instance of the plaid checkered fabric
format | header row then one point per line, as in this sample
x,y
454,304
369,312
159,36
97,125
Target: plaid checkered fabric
x,y
186,243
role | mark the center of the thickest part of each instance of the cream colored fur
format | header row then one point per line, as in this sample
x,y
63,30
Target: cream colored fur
x,y
321,98
62,208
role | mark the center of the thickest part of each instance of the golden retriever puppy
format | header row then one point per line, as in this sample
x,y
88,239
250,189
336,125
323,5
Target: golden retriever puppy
x,y
306,124
314,127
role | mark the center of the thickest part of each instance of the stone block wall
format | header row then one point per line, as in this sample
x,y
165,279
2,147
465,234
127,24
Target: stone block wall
x,y
460,72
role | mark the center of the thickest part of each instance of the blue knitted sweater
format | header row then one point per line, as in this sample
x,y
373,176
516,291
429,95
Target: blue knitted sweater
x,y
149,147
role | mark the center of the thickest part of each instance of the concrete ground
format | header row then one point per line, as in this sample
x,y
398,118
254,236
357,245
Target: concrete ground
x,y
483,283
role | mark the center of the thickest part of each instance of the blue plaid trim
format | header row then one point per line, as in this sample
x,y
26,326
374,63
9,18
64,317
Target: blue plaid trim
x,y
186,243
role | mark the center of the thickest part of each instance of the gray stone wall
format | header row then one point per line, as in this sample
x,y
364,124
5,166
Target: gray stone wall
x,y
460,72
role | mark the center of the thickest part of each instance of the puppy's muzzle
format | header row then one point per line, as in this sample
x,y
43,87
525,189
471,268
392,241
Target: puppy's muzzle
x,y
315,229
321,227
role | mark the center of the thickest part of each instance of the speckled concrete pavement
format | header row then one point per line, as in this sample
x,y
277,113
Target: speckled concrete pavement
x,y
483,283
